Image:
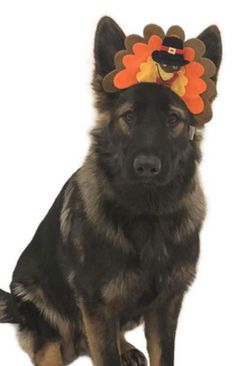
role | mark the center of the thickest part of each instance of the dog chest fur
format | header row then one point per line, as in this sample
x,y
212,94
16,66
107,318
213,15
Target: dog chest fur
x,y
152,254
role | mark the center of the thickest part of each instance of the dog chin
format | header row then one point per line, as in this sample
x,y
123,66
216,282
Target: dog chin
x,y
142,197
151,183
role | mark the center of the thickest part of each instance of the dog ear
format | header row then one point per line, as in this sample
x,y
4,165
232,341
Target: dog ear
x,y
212,39
109,39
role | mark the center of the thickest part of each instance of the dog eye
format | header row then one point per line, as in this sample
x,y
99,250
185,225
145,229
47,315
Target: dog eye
x,y
173,120
129,117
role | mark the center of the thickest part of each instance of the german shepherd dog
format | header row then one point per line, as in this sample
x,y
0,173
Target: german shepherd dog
x,y
120,244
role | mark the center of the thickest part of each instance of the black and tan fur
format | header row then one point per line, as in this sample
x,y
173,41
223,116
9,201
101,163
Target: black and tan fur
x,y
116,249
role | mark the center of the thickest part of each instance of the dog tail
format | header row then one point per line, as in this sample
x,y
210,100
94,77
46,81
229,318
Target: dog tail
x,y
8,308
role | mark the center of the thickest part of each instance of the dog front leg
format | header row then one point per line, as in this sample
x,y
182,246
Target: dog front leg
x,y
160,329
101,331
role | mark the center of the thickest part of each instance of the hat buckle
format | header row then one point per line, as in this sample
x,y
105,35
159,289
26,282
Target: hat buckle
x,y
172,50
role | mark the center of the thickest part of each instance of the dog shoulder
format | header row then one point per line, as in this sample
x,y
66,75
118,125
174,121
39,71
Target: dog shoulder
x,y
71,205
193,212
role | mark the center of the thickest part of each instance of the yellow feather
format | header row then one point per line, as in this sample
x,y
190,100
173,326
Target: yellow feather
x,y
148,71
180,83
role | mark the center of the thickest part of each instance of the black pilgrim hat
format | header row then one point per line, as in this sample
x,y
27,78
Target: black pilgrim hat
x,y
171,52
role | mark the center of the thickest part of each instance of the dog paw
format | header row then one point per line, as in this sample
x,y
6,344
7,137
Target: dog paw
x,y
133,357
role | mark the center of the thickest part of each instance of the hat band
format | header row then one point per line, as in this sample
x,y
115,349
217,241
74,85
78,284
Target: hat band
x,y
172,50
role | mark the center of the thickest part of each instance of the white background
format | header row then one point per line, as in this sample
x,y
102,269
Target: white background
x,y
46,111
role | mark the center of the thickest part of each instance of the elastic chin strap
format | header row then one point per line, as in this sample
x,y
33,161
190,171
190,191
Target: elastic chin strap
x,y
191,132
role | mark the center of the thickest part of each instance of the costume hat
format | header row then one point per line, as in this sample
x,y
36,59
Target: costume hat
x,y
171,52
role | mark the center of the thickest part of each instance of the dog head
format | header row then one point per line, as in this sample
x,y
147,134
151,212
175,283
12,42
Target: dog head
x,y
142,139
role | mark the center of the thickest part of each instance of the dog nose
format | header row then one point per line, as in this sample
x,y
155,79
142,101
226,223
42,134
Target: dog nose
x,y
147,165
